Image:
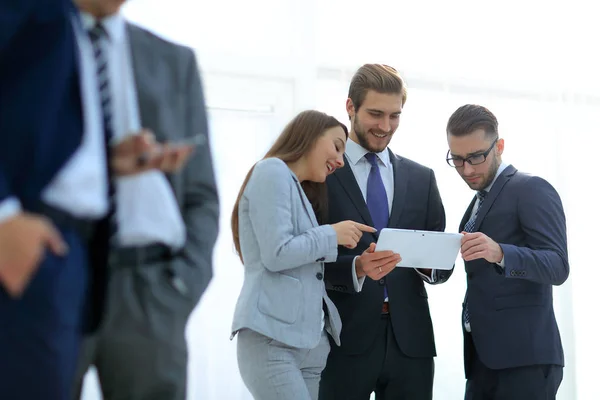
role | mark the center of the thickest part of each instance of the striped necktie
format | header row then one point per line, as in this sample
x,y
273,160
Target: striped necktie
x,y
97,35
469,227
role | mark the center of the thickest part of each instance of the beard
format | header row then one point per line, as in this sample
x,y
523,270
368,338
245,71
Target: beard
x,y
489,178
363,137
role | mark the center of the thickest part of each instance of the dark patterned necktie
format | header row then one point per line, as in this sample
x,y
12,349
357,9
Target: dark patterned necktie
x,y
377,201
97,33
469,226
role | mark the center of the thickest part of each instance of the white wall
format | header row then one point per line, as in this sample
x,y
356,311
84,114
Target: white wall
x,y
266,60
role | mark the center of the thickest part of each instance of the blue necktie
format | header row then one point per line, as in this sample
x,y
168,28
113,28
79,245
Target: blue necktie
x,y
377,201
469,227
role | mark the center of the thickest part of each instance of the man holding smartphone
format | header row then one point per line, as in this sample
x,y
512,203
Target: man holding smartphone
x,y
161,260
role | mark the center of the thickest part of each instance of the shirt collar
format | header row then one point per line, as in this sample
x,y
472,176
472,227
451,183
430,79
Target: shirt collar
x,y
113,24
355,153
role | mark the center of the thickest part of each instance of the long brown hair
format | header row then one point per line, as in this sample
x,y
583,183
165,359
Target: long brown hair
x,y
297,139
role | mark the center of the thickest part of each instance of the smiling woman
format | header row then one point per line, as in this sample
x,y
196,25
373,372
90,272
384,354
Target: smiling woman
x,y
283,311
312,145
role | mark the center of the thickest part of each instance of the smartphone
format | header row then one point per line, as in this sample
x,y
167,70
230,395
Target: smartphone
x,y
196,140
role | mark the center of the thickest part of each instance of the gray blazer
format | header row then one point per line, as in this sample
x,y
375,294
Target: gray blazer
x,y
171,104
284,251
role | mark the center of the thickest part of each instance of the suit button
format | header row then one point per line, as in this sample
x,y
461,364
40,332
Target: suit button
x,y
319,276
321,259
382,282
470,275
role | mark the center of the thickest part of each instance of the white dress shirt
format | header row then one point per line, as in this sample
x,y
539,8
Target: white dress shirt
x,y
147,211
80,186
361,168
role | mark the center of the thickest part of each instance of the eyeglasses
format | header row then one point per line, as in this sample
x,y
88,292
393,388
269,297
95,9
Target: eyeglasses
x,y
475,159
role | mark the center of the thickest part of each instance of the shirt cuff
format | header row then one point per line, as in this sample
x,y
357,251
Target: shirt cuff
x,y
429,279
501,263
358,282
9,208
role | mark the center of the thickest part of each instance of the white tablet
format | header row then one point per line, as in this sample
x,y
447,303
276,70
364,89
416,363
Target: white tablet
x,y
421,249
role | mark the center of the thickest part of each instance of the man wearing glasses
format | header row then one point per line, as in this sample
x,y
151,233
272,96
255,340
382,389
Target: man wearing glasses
x,y
515,249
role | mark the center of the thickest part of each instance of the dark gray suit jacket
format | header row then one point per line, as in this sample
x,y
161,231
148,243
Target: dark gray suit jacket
x,y
511,313
171,104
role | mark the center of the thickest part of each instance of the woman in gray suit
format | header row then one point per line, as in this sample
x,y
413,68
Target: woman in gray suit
x,y
283,312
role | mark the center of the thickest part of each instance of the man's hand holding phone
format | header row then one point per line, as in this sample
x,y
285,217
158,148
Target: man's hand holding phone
x,y
140,152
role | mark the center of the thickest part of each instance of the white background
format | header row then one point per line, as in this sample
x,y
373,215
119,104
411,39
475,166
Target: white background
x,y
532,63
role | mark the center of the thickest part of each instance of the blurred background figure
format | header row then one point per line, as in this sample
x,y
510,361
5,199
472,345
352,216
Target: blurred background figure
x,y
53,195
160,262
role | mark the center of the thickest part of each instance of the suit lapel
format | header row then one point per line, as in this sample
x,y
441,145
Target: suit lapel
x,y
490,198
305,202
400,188
348,182
140,71
467,215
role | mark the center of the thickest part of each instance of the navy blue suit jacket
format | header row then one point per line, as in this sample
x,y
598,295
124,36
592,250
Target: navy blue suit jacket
x,y
41,121
511,312
41,117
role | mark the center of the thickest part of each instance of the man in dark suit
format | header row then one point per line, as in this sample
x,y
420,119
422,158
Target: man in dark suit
x,y
387,342
53,201
160,266
515,249
44,230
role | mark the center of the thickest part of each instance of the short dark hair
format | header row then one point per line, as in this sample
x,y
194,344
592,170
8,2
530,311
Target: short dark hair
x,y
471,117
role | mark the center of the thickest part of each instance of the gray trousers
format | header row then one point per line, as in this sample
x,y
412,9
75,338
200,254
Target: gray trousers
x,y
140,351
272,370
